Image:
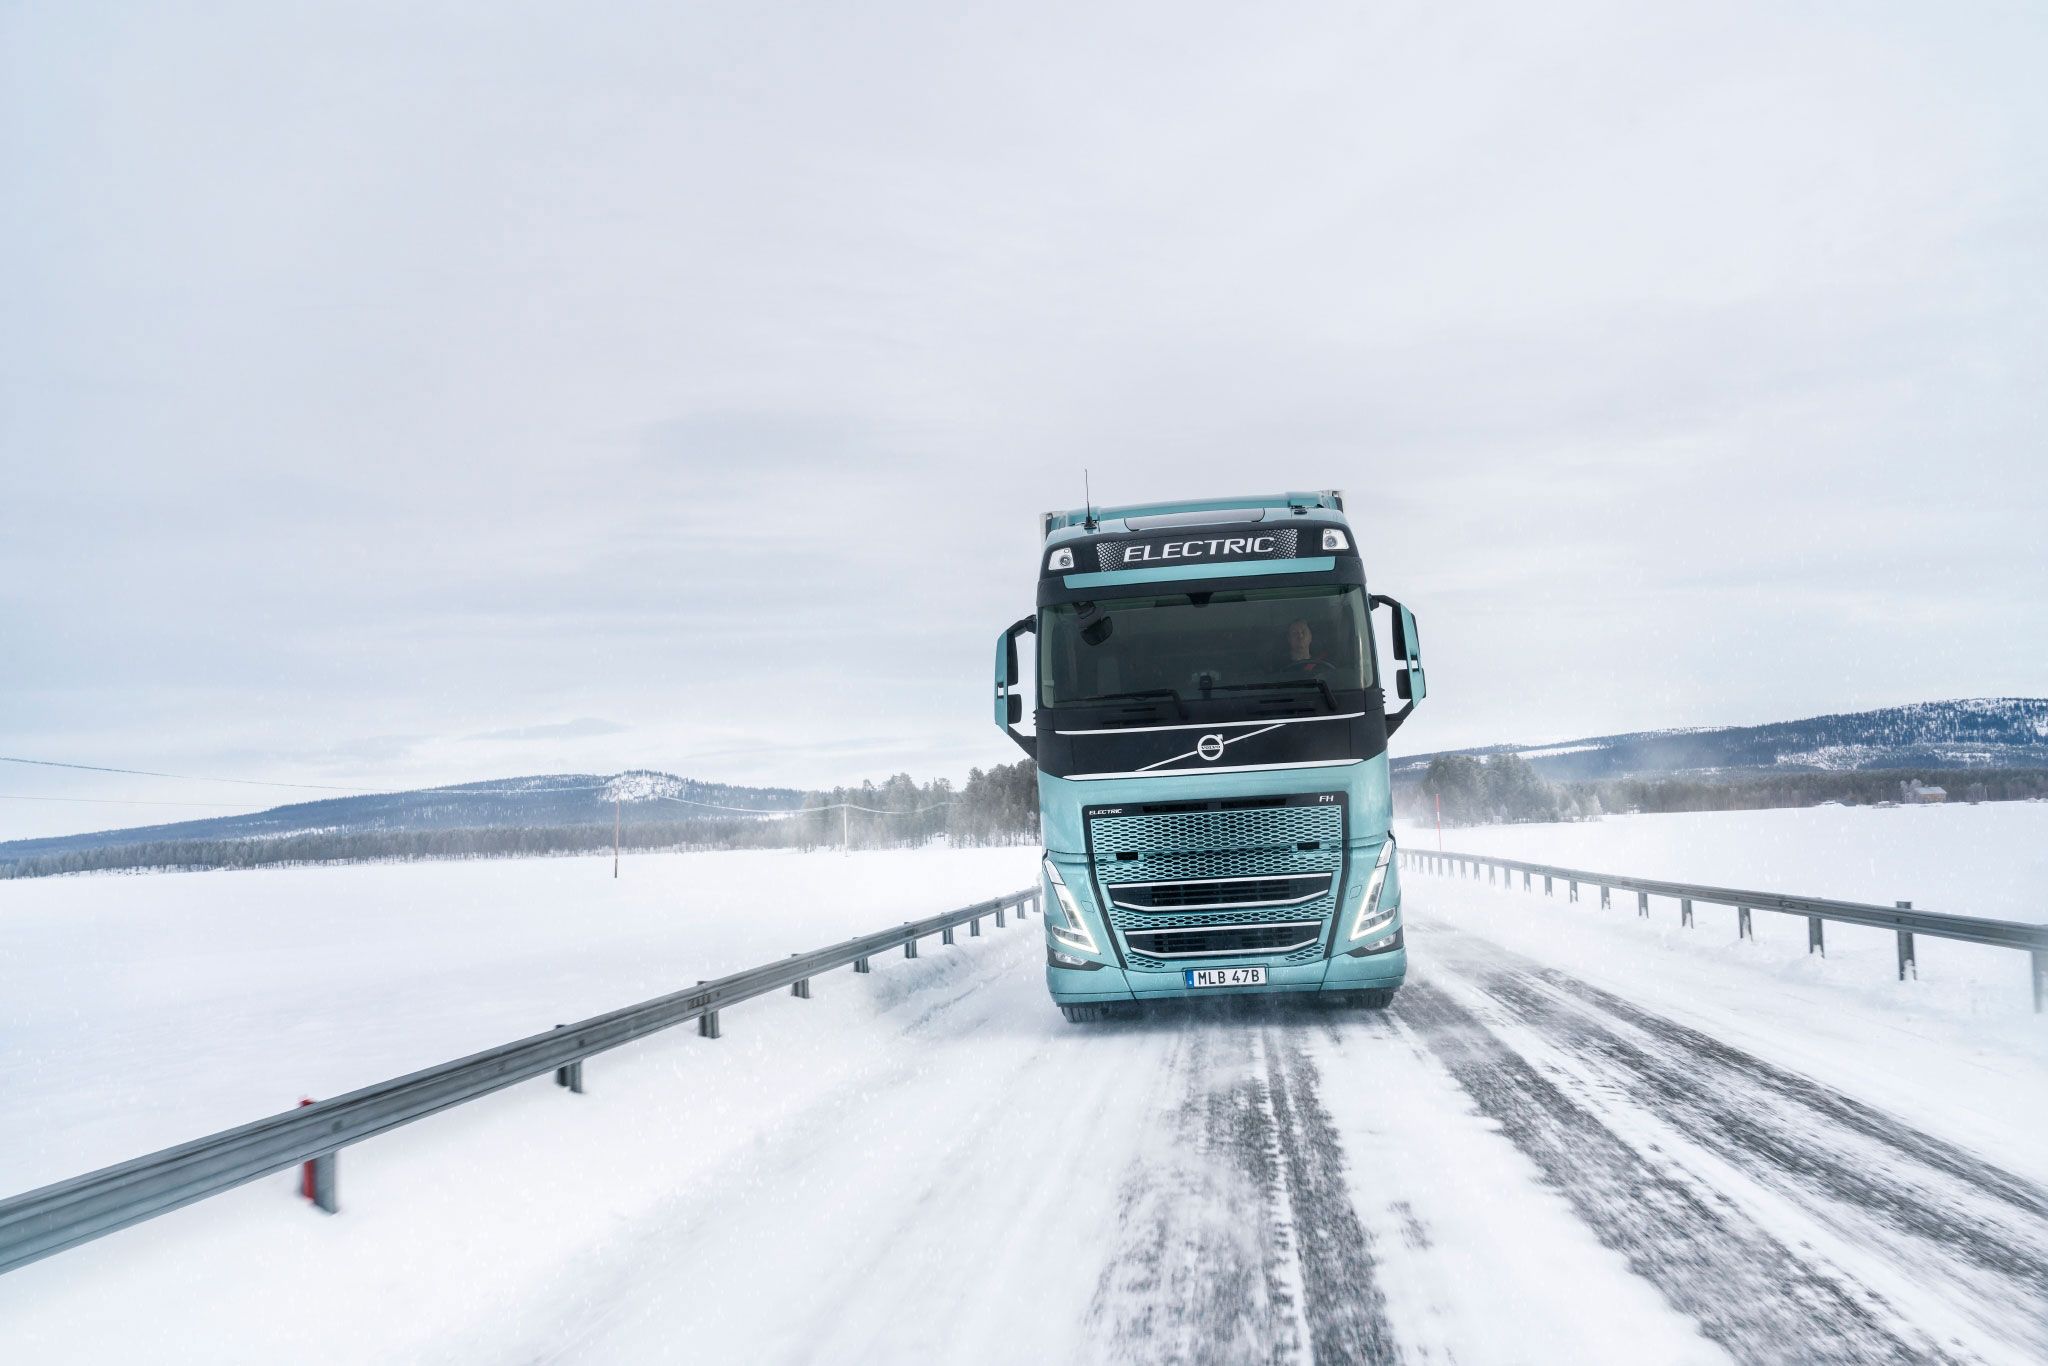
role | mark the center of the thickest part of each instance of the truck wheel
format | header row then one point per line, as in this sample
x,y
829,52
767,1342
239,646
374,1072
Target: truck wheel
x,y
1377,999
1081,1014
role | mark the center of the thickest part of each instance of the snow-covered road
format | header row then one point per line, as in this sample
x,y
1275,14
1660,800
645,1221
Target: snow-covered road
x,y
1524,1159
1509,1165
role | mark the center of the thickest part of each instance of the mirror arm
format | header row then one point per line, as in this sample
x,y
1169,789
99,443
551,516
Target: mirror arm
x,y
1027,743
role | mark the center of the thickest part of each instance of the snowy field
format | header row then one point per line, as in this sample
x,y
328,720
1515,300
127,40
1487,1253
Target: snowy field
x,y
1575,1137
1990,859
137,1011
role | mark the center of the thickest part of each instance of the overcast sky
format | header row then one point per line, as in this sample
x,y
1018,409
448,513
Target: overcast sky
x,y
400,394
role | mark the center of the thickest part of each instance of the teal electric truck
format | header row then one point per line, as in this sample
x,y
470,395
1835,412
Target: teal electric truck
x,y
1210,733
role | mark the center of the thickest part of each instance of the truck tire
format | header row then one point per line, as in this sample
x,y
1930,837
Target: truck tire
x,y
1082,1014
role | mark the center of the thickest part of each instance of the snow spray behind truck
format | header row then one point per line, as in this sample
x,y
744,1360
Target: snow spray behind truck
x,y
1211,744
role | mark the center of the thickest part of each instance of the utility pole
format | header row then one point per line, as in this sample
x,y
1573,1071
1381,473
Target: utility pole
x,y
616,799
845,828
1439,822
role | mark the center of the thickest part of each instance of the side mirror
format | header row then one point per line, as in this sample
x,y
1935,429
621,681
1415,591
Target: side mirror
x,y
1009,704
1411,683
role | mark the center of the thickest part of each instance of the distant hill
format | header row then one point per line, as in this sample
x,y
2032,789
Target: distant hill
x,y
551,802
1983,733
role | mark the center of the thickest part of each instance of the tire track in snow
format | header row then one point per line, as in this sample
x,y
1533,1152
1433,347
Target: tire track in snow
x,y
1746,1290
1240,1242
1717,1098
1194,1277
1347,1311
2022,1195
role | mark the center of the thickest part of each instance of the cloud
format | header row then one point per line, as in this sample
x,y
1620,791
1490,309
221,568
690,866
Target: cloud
x,y
581,729
710,368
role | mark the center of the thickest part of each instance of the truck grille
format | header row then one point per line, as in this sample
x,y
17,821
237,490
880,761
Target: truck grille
x,y
1225,941
1291,890
1219,882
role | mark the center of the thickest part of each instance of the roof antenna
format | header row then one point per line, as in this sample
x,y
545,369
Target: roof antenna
x,y
1088,522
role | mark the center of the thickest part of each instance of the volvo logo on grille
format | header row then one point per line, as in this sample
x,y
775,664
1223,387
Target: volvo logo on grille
x,y
1210,747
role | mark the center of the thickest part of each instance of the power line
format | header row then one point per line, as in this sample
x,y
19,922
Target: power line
x,y
456,789
182,777
118,801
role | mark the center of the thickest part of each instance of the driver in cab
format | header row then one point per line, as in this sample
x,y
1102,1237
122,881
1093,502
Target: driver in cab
x,y
1302,656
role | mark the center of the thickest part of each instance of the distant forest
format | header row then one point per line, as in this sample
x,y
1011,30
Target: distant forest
x,y
1506,789
997,806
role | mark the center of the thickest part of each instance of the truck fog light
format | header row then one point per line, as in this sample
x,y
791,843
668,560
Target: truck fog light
x,y
1066,961
1385,941
1063,558
1075,931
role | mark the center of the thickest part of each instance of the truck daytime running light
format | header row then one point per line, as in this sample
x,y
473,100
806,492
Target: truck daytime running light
x,y
1369,917
1075,931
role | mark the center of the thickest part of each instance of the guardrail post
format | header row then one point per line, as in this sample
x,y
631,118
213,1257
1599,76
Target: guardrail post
x,y
1743,929
317,1176
2040,957
1814,943
1574,894
707,1024
1906,963
861,965
974,928
321,1178
1525,879
1606,898
999,915
910,948
946,935
1685,912
1643,904
570,1074
1546,884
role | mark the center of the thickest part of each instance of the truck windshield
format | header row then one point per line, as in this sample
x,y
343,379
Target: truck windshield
x,y
1203,644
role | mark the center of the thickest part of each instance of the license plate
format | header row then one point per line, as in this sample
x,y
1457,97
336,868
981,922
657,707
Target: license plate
x,y
1224,977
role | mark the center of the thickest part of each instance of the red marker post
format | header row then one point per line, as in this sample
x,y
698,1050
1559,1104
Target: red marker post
x,y
306,1187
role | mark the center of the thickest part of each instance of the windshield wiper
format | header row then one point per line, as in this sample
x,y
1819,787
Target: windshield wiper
x,y
1179,704
1318,683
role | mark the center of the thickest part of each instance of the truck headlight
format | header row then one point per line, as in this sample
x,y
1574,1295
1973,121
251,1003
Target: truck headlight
x,y
1075,931
1370,917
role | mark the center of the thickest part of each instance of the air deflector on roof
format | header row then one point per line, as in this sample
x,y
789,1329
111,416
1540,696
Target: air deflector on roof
x,y
1225,517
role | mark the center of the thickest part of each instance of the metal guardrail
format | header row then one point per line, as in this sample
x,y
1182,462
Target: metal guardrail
x,y
41,1222
1900,918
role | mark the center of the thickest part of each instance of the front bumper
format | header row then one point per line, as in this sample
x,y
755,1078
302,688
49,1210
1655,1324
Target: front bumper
x,y
1080,986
